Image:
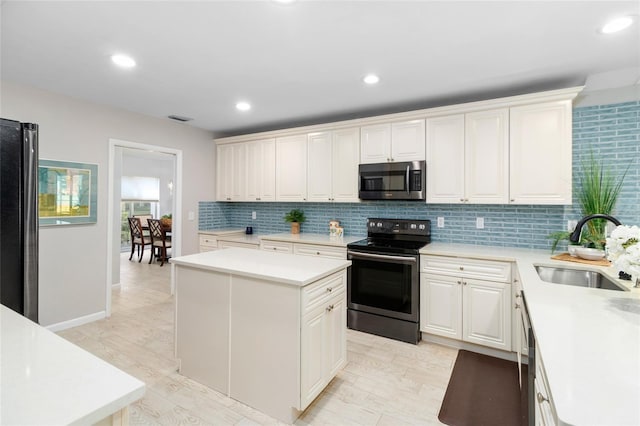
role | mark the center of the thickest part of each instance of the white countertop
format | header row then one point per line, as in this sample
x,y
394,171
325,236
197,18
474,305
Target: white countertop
x,y
281,267
589,339
46,380
322,239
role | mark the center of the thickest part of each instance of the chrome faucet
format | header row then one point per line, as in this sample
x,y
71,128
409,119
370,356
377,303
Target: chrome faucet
x,y
575,235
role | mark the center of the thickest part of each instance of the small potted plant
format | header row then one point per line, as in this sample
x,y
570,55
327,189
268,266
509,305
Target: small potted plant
x,y
295,217
165,220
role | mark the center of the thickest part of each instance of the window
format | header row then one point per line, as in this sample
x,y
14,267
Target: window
x,y
140,196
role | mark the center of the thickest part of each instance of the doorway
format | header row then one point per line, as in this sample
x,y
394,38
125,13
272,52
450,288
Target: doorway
x,y
132,163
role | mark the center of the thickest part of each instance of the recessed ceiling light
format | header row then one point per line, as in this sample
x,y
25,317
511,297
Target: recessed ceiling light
x,y
617,24
123,61
284,1
371,79
243,106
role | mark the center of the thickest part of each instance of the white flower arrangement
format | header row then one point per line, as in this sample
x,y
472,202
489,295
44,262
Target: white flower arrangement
x,y
623,249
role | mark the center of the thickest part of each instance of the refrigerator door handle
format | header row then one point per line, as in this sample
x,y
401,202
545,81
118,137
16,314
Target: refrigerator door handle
x,y
30,193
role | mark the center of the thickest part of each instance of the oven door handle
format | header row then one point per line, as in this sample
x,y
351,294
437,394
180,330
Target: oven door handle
x,y
403,259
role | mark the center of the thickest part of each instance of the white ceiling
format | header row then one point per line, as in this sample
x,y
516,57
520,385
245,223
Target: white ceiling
x,y
302,63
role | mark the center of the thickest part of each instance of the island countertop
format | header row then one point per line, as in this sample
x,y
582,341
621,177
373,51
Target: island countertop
x,y
589,338
284,268
46,380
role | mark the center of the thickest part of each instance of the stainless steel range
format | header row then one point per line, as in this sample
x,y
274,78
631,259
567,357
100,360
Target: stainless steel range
x,y
383,287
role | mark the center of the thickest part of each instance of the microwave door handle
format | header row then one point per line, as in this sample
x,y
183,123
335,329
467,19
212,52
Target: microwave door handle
x,y
406,178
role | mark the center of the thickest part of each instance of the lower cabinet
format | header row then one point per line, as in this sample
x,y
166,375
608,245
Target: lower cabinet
x,y
466,309
304,249
544,408
323,352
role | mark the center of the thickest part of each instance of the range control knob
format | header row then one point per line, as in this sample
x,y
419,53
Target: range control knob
x,y
379,224
421,226
413,226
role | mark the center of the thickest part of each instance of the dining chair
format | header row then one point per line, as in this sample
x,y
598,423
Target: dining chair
x,y
159,240
138,238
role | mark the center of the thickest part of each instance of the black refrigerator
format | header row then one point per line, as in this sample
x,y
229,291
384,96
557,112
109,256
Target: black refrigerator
x,y
19,217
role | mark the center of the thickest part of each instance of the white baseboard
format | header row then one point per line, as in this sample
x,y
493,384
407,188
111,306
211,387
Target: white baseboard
x,y
76,321
458,344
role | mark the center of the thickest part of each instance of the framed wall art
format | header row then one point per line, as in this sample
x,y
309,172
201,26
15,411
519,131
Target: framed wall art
x,y
67,192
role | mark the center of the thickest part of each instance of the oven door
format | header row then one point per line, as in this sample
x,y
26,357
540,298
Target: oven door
x,y
383,284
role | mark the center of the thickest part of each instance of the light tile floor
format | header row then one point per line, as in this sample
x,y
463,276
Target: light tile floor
x,y
385,382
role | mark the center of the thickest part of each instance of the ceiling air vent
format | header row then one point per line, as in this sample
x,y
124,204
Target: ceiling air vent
x,y
179,118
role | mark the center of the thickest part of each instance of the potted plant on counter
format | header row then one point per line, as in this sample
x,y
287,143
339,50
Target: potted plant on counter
x,y
295,217
598,192
166,220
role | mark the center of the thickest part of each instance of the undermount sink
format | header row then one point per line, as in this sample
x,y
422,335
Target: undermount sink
x,y
576,277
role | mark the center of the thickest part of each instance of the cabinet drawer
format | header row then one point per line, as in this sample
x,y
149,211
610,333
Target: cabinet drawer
x,y
207,248
227,244
277,246
463,267
208,241
320,250
325,289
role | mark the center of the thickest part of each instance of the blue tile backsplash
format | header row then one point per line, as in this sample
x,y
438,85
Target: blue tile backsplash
x,y
612,132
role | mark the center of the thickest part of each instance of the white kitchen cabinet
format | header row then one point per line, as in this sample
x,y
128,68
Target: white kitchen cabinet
x,y
277,246
540,153
375,143
323,352
291,168
445,159
407,140
330,252
319,166
261,170
399,141
231,172
345,153
440,305
468,158
458,301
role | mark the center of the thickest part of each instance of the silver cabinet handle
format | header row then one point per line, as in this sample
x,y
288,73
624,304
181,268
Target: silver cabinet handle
x,y
462,268
318,253
541,398
462,200
517,306
459,282
464,283
329,289
329,308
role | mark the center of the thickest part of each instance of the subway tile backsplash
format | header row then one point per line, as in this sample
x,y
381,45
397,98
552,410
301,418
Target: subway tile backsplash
x,y
612,132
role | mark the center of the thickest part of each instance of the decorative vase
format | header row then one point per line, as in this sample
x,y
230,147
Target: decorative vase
x,y
295,227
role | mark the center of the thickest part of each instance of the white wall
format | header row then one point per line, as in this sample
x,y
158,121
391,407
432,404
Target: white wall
x,y
73,258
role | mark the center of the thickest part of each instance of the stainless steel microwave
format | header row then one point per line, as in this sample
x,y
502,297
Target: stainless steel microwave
x,y
393,181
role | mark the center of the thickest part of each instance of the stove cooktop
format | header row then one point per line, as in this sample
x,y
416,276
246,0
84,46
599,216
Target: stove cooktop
x,y
387,246
403,236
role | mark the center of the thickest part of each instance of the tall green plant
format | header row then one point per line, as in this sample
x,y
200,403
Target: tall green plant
x,y
599,192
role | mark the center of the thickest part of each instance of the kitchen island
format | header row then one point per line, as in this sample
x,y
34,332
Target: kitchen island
x,y
46,380
266,329
588,339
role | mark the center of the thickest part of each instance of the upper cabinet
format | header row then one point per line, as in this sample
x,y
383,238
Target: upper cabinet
x,y
400,141
231,172
291,168
332,165
540,153
261,170
468,158
514,150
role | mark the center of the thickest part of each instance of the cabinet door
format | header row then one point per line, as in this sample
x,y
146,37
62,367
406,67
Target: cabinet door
x,y
319,166
291,168
445,159
239,172
487,313
313,355
440,305
375,143
336,335
268,181
540,153
408,141
345,160
486,157
224,176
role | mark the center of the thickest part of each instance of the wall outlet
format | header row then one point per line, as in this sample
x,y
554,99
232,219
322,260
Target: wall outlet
x,y
479,222
440,222
191,216
571,225
253,215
